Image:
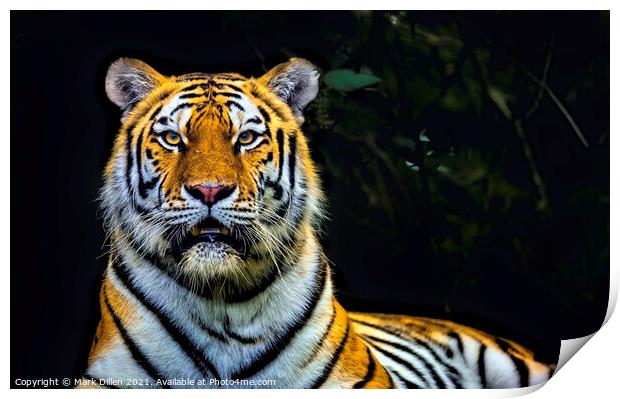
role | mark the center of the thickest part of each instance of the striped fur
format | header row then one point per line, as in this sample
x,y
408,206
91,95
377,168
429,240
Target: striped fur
x,y
263,310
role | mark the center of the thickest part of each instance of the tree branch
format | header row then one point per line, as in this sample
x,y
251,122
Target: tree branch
x,y
543,201
559,104
541,90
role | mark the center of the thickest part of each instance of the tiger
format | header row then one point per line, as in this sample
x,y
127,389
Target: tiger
x,y
216,276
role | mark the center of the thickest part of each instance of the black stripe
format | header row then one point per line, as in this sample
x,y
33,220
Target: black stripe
x,y
194,76
188,125
233,78
369,374
263,142
203,83
202,79
198,114
328,369
228,120
190,95
390,379
482,365
265,283
237,337
233,87
190,349
154,113
459,341
267,159
280,140
398,360
256,120
284,340
140,209
504,345
148,185
163,120
327,331
408,384
243,340
277,194
264,114
128,141
209,330
227,94
522,369
282,209
292,161
129,161
269,105
236,104
160,192
438,381
217,85
454,373
204,86
141,187
164,95
180,107
137,355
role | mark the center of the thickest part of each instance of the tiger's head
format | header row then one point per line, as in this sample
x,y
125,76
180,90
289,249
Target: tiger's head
x,y
211,174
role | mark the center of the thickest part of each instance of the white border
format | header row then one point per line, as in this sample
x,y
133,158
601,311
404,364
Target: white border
x,y
592,373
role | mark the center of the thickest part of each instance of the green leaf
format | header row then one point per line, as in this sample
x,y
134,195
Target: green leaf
x,y
501,100
412,166
455,100
464,168
499,187
404,142
346,80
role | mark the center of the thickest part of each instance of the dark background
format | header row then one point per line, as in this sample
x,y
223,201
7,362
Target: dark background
x,y
457,186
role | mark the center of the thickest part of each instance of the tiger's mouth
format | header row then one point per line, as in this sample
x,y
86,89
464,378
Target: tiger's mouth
x,y
209,229
209,233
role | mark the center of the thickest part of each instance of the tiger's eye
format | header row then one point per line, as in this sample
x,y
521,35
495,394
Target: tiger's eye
x,y
172,138
245,138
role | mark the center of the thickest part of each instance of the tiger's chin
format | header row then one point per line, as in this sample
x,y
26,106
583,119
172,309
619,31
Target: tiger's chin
x,y
210,253
207,262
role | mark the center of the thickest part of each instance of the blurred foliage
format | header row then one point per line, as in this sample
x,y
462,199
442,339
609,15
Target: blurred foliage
x,y
474,142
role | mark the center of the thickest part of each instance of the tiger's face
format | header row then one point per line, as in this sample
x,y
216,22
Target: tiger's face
x,y
210,173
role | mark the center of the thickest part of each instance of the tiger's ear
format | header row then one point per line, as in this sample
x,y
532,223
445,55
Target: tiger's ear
x,y
129,80
296,82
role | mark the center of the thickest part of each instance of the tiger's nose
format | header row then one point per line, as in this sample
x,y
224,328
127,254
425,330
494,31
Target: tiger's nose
x,y
210,193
